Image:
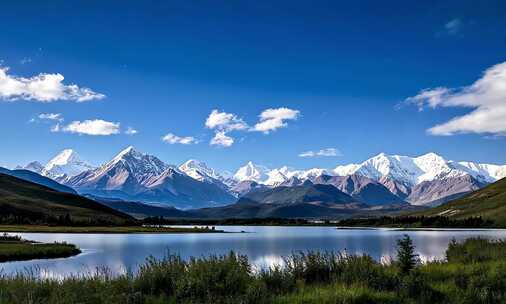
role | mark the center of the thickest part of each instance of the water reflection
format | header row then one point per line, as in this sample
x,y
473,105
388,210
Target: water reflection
x,y
265,246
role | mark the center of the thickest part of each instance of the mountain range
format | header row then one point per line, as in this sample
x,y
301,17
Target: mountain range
x,y
427,180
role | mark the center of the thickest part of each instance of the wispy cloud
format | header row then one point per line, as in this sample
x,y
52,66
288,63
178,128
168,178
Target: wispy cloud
x,y
486,96
131,131
42,88
96,127
183,140
329,152
51,116
25,60
273,119
453,26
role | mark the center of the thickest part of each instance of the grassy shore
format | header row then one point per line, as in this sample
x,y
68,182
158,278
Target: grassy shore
x,y
474,272
105,229
13,248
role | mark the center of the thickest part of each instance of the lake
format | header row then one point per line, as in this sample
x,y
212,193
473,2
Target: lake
x,y
264,245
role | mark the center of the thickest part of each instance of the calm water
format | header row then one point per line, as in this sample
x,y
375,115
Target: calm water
x,y
263,245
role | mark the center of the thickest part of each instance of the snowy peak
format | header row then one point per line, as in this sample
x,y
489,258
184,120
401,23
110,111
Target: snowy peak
x,y
141,166
415,170
199,170
251,172
64,165
483,172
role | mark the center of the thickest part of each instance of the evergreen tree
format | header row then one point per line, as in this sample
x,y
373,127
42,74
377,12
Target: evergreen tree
x,y
406,255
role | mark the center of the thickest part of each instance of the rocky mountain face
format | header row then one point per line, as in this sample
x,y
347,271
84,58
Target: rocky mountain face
x,y
133,175
361,188
303,201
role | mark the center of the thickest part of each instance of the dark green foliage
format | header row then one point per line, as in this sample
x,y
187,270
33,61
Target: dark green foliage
x,y
475,250
418,222
406,256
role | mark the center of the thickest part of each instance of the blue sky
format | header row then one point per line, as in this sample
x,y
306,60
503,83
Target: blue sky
x,y
342,69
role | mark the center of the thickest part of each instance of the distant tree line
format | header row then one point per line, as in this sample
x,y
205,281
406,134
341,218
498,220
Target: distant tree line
x,y
158,220
57,220
418,222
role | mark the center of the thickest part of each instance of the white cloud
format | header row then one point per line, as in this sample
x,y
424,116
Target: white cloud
x,y
42,88
223,121
51,116
131,131
486,96
453,26
174,139
273,119
329,152
89,127
221,139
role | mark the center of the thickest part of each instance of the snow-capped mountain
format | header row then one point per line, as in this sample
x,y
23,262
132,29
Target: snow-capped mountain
x,y
274,177
251,172
426,179
427,167
66,163
127,171
61,167
133,175
200,171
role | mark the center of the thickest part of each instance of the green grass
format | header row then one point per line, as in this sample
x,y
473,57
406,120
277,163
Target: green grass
x,y
337,294
488,203
13,248
104,229
474,273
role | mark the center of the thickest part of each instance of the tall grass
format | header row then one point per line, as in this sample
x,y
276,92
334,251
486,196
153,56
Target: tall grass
x,y
307,277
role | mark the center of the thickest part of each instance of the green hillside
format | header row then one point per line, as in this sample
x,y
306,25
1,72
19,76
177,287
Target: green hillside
x,y
33,202
489,203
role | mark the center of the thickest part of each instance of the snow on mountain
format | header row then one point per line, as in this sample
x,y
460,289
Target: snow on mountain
x,y
200,171
128,166
482,172
33,166
132,175
413,171
63,166
275,177
66,163
251,172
